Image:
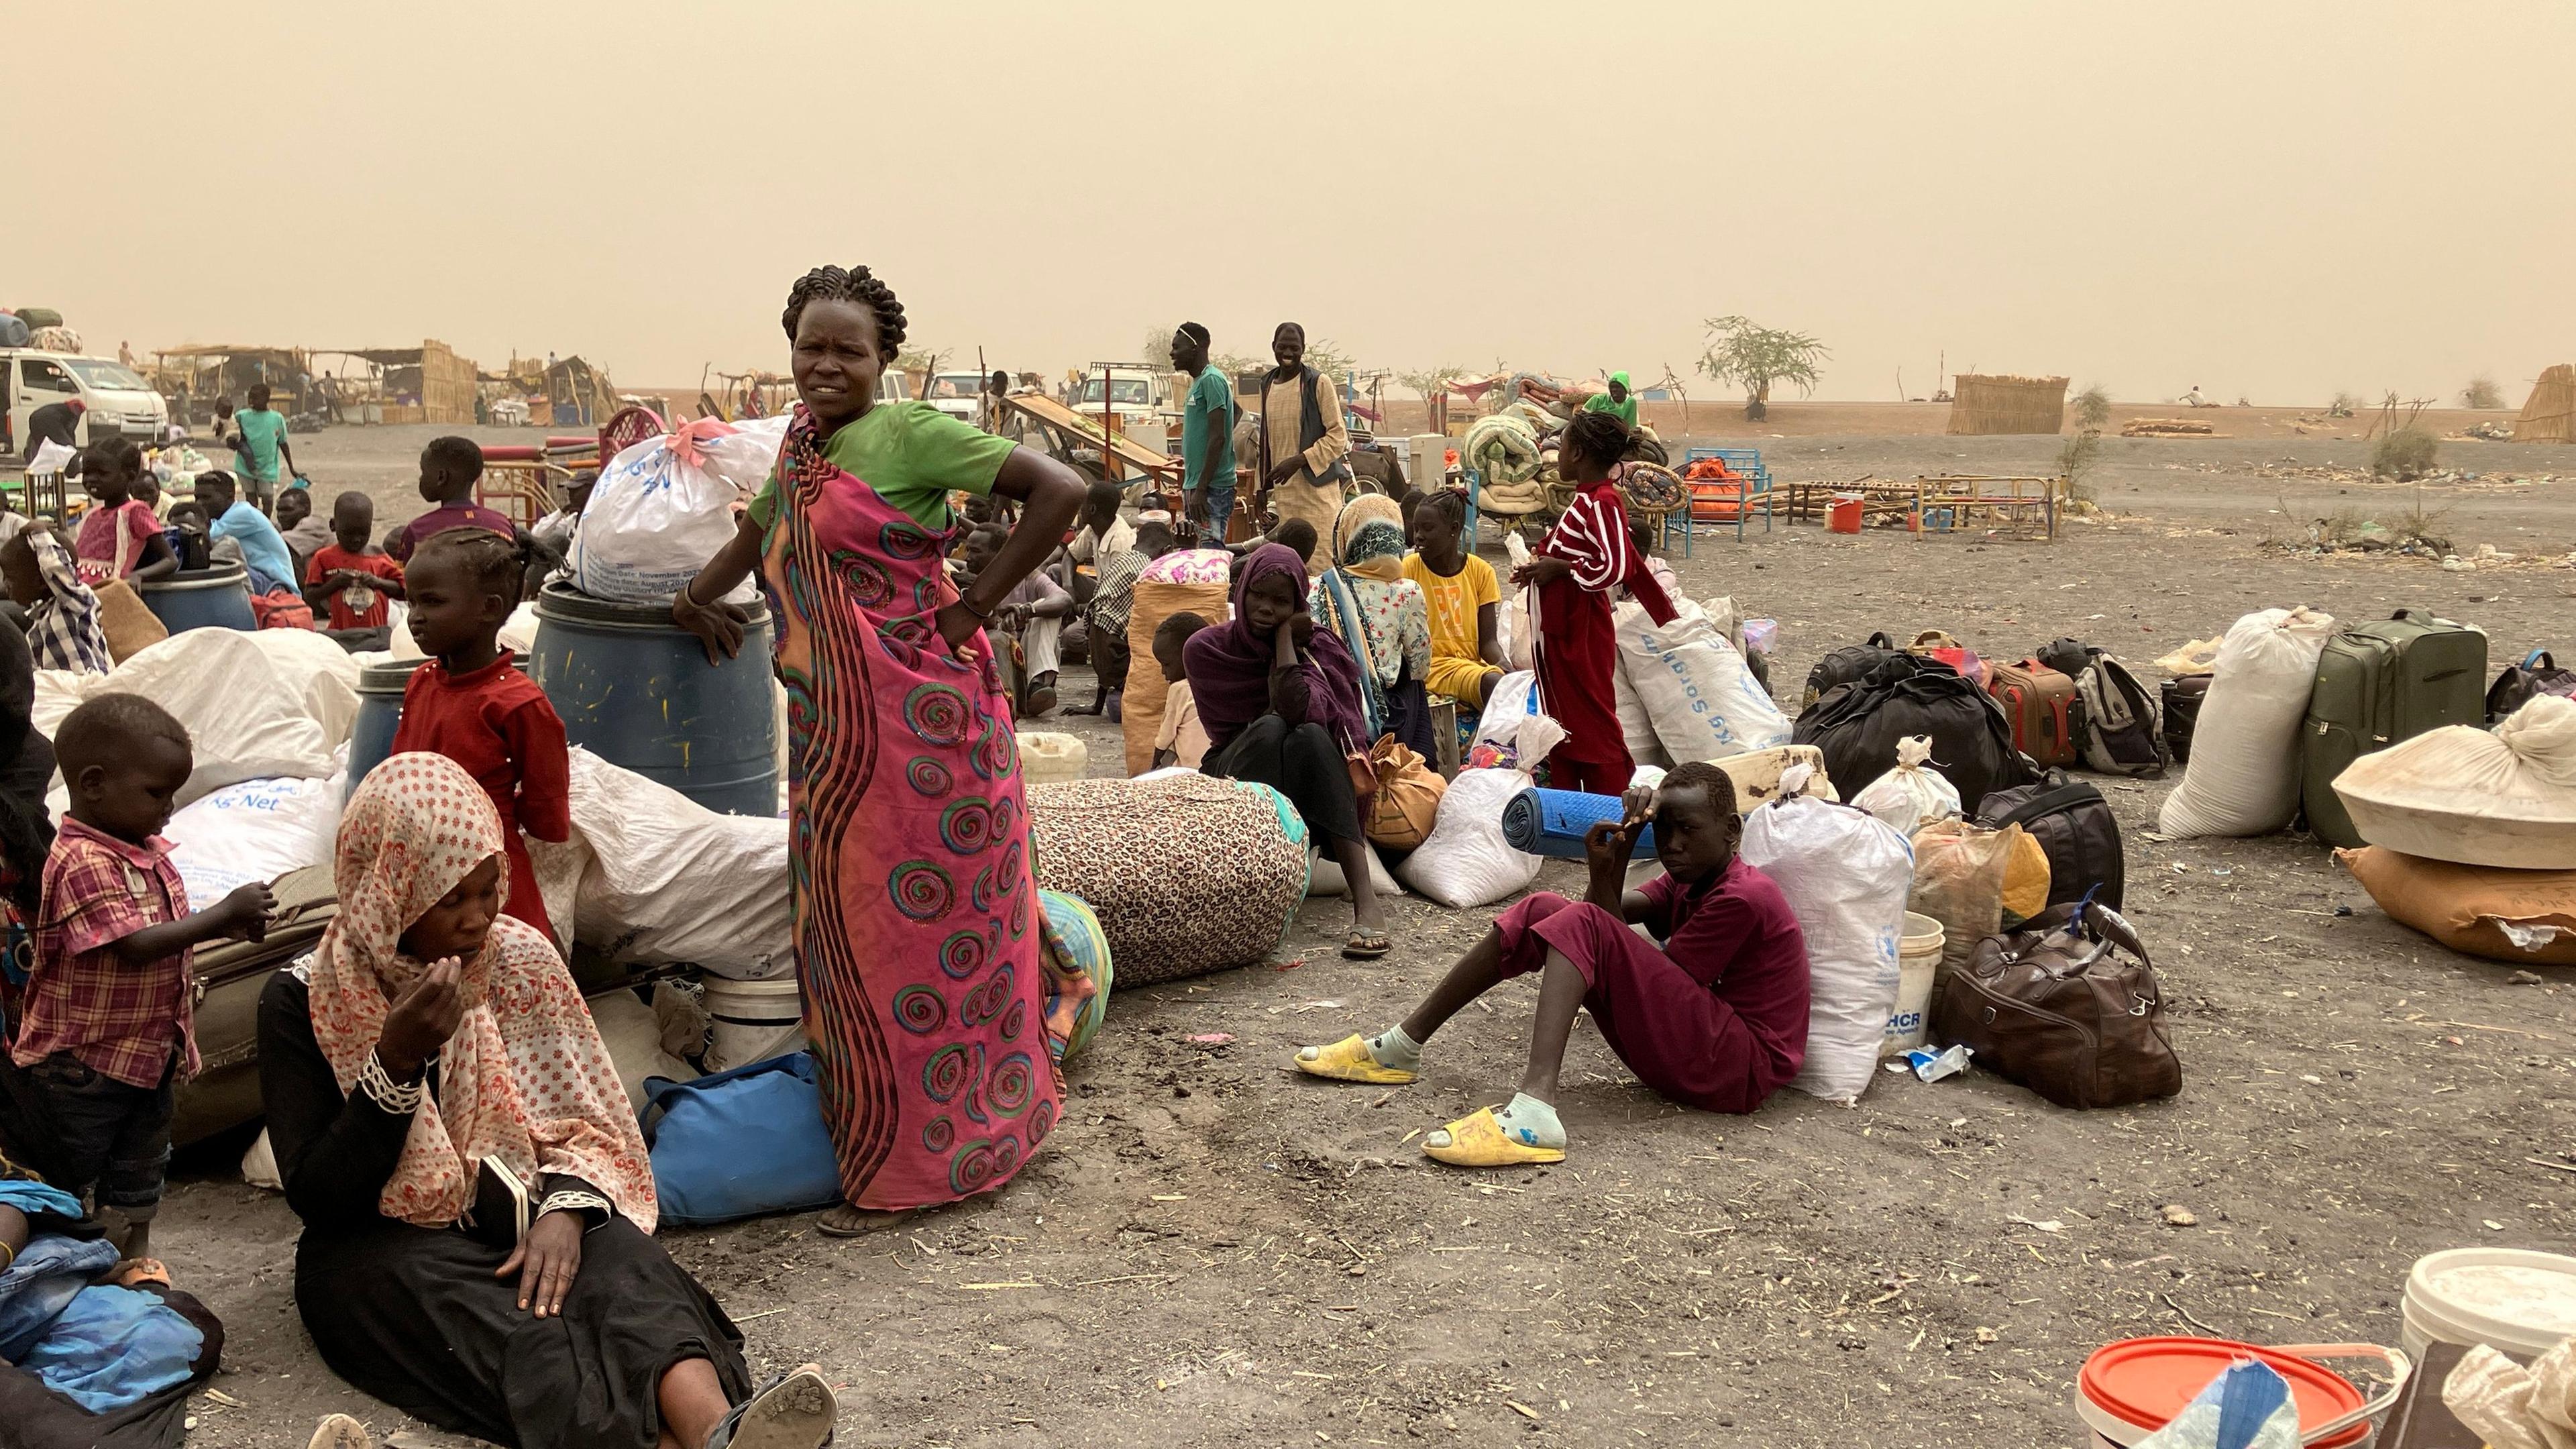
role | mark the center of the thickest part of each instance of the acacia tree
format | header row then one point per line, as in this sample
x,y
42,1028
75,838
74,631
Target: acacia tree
x,y
1432,384
1739,351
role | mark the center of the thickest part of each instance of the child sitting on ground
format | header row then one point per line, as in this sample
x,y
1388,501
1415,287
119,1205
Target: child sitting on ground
x,y
108,1023
228,519
350,579
119,537
1716,1019
63,626
305,532
1114,600
1032,616
1182,741
1467,655
471,704
449,469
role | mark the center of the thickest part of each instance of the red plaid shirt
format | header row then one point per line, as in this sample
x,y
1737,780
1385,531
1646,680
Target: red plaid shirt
x,y
122,1020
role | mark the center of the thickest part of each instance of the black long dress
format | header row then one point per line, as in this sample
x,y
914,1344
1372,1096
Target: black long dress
x,y
415,1316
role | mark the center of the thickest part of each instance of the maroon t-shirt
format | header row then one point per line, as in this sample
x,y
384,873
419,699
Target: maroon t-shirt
x,y
1736,935
446,516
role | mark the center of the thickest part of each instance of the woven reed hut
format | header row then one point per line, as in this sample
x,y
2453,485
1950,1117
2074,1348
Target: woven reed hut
x,y
1994,403
2549,414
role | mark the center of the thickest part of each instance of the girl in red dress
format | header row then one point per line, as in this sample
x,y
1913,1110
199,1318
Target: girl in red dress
x,y
469,703
1575,569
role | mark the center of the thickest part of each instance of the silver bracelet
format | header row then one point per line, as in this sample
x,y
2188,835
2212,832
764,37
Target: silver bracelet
x,y
573,1200
385,1092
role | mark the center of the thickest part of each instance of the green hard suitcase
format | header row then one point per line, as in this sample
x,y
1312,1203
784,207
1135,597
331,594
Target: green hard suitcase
x,y
2379,683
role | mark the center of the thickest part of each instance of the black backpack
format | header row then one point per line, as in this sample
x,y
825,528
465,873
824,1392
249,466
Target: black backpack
x,y
2182,699
1857,726
2520,684
1847,665
2074,824
2116,732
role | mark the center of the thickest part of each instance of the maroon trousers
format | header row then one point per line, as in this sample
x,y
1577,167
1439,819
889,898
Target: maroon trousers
x,y
1673,1032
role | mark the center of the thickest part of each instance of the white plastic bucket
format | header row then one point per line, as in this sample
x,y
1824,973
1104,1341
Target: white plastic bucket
x,y
2513,1299
752,1021
1052,759
1918,957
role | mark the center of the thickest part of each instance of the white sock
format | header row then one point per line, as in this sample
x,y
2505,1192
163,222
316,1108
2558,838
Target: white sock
x,y
1531,1122
1392,1048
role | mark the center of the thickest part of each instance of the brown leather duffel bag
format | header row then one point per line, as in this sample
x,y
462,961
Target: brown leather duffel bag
x,y
2070,1009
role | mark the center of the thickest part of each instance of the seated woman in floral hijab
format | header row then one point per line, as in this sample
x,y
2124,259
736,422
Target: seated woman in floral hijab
x,y
427,1039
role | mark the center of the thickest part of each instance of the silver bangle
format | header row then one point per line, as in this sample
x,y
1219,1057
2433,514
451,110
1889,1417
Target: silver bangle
x,y
385,1092
573,1200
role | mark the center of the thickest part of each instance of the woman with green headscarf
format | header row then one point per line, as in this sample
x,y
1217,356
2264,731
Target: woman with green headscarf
x,y
1616,401
1365,598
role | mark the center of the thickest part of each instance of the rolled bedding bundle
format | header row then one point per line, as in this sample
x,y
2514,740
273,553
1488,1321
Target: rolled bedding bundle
x,y
1503,449
1651,487
1553,822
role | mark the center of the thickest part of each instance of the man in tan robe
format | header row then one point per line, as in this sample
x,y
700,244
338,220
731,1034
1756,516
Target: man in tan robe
x,y
1303,441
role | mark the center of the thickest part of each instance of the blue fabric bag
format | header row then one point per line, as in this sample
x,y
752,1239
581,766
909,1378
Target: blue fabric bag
x,y
740,1143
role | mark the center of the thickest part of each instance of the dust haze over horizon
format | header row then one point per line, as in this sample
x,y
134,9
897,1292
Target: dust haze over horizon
x,y
2276,201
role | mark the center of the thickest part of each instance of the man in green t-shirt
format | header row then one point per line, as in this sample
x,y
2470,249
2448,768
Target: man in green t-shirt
x,y
260,446
1207,436
1616,401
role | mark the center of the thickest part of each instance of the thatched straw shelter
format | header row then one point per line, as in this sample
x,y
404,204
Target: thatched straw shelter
x,y
2549,414
1999,404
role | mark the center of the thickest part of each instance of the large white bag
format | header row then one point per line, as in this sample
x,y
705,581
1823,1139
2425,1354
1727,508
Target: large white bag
x,y
1913,794
325,677
662,508
670,880
255,831
2244,772
1465,862
1512,720
1635,725
1704,703
2464,795
1845,874
245,716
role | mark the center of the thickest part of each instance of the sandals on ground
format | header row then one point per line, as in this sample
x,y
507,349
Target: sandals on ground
x,y
795,1411
845,1221
1366,945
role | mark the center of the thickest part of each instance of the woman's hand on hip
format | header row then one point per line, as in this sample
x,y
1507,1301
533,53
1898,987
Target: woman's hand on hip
x,y
546,1260
959,625
422,1019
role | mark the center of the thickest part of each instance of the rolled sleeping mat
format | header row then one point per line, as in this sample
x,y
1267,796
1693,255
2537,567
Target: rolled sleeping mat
x,y
1553,822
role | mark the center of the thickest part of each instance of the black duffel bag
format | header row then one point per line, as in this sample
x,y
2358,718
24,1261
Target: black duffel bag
x,y
1858,724
2074,824
1847,665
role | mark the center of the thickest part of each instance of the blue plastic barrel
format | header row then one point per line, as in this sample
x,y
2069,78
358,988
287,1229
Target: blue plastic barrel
x,y
636,690
380,699
207,598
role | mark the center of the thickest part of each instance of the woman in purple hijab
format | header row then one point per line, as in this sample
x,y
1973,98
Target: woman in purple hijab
x,y
1280,701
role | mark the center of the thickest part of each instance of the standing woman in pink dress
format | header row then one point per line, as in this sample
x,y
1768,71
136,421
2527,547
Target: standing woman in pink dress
x,y
917,925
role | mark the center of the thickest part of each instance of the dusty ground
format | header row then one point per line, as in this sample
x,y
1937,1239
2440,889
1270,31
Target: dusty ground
x,y
1215,1251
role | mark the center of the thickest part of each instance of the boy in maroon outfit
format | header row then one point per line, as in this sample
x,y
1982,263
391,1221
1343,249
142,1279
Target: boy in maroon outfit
x,y
1716,1019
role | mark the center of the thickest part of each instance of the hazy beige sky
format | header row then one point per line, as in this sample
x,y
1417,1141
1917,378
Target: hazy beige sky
x,y
2273,199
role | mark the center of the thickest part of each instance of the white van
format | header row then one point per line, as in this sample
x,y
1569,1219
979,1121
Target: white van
x,y
118,401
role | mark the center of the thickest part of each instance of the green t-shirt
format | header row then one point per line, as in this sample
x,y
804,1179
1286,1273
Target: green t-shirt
x,y
1210,401
261,431
913,454
1625,409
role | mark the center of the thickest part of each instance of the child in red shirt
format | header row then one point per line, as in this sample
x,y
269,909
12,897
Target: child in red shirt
x,y
351,579
470,704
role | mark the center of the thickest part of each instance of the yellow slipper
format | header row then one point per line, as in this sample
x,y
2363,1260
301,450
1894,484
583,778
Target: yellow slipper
x,y
1348,1060
1477,1140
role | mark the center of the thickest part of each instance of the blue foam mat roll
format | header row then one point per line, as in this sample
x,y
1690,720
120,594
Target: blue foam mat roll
x,y
1553,822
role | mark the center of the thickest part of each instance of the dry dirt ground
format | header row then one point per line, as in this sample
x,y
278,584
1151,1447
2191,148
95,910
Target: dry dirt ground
x,y
1216,1251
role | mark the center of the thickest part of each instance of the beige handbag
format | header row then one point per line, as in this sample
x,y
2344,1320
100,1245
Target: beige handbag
x,y
1400,810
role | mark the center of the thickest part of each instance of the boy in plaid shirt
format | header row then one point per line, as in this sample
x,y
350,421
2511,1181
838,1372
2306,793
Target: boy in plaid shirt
x,y
107,1029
